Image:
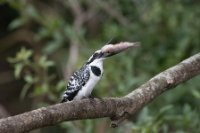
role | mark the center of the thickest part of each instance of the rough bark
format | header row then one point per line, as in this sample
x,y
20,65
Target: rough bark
x,y
117,109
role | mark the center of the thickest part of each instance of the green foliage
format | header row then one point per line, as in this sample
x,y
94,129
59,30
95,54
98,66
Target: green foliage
x,y
166,120
35,74
168,32
21,59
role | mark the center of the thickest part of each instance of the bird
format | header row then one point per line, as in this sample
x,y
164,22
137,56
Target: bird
x,y
83,81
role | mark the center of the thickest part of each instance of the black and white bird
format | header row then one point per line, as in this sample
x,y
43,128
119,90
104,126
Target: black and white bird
x,y
83,81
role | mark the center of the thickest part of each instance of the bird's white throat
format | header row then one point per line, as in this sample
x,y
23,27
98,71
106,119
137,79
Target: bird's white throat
x,y
98,63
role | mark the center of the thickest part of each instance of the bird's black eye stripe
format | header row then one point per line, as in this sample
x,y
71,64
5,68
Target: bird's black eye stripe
x,y
100,54
95,56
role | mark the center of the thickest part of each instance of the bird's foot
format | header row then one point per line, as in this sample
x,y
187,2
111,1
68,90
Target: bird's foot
x,y
64,100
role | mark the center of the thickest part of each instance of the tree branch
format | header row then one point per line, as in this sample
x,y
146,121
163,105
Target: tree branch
x,y
117,109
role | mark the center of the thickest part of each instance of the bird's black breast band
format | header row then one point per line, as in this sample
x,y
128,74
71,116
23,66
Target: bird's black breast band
x,y
96,70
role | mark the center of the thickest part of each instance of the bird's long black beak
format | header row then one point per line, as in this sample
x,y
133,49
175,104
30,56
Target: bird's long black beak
x,y
110,49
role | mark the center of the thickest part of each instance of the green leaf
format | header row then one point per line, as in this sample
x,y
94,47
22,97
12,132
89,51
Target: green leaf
x,y
11,60
165,109
29,79
196,93
18,69
43,62
16,23
24,90
31,10
50,63
51,47
24,54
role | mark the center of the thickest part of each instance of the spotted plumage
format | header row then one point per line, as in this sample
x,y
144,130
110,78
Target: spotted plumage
x,y
83,81
76,82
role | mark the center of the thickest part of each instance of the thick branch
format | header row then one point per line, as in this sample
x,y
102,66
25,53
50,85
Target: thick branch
x,y
116,108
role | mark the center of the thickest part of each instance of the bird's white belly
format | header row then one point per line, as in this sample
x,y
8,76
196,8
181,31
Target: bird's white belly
x,y
89,86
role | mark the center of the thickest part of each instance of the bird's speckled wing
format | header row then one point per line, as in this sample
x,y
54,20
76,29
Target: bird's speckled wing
x,y
76,82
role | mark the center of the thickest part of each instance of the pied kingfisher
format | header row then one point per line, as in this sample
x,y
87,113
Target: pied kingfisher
x,y
82,82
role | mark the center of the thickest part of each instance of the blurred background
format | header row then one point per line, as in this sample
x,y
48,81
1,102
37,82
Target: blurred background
x,y
43,42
